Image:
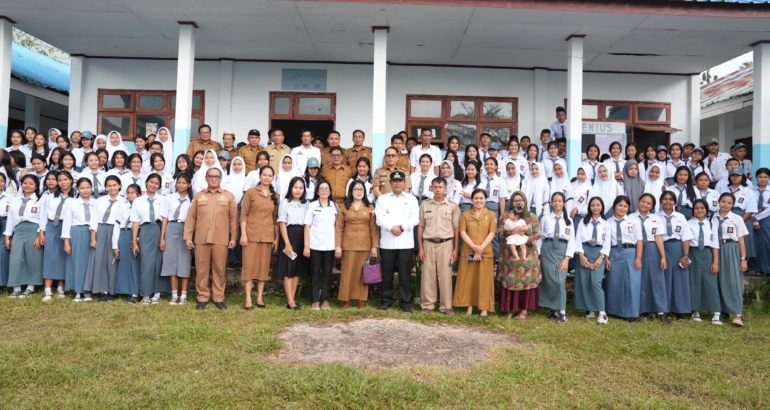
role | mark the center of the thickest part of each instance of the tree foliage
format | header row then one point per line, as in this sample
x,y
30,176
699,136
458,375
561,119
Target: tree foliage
x,y
39,46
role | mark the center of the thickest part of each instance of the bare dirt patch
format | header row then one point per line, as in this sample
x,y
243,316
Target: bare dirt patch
x,y
387,343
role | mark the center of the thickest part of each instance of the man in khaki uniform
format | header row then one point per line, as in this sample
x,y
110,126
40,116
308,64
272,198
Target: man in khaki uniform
x,y
381,182
211,229
277,150
204,142
228,144
438,236
334,141
250,151
338,175
359,150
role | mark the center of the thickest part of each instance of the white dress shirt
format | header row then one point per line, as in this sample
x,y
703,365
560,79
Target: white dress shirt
x,y
140,211
48,205
630,227
653,225
415,178
744,199
417,151
709,233
322,222
128,179
302,154
392,210
101,206
680,192
74,214
585,234
166,183
591,166
559,130
32,213
733,226
718,166
100,177
172,203
497,188
711,196
5,203
123,221
565,233
548,163
680,229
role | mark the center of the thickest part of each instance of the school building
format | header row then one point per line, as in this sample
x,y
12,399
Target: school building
x,y
624,70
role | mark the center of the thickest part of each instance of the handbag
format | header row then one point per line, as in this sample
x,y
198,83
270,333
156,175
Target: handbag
x,y
372,273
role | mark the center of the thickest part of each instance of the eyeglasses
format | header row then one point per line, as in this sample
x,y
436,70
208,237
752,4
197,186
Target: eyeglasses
x,y
518,201
358,190
323,189
391,155
214,176
336,155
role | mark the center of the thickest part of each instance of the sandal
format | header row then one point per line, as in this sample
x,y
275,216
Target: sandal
x,y
522,317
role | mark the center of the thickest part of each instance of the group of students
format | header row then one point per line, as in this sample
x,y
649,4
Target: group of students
x,y
683,225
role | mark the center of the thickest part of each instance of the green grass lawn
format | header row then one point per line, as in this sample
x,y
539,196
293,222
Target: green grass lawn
x,y
67,355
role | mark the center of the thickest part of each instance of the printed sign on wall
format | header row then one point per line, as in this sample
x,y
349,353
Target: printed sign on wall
x,y
297,79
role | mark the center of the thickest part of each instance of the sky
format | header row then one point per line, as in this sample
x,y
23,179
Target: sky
x,y
732,65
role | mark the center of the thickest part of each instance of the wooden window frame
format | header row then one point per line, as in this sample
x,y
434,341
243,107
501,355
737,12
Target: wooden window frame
x,y
442,100
294,98
653,105
166,112
598,111
632,120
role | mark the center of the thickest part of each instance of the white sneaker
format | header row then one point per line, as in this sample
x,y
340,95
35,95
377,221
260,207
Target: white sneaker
x,y
696,316
27,293
47,297
146,300
174,300
60,292
602,320
155,300
590,315
87,297
15,294
716,320
738,320
182,300
77,298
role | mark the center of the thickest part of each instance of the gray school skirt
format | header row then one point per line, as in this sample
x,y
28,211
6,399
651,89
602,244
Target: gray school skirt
x,y
176,257
25,266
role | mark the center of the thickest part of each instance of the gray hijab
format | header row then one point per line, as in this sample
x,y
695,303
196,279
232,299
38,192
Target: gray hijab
x,y
634,186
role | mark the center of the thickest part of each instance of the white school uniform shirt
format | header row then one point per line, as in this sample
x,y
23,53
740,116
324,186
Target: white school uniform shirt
x,y
74,214
723,185
322,222
369,189
469,189
585,232
483,155
415,177
48,205
80,154
100,178
302,154
310,189
709,233
128,179
5,201
172,202
123,221
747,167
698,169
581,198
683,192
680,229
32,213
140,211
559,130
592,167
41,179
611,165
392,210
252,180
497,188
671,167
631,229
733,226
711,197
548,163
718,166
744,199
117,172
548,231
542,153
454,191
417,151
522,166
166,183
24,149
763,210
99,210
653,225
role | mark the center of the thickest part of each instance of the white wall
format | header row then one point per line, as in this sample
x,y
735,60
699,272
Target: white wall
x,y
252,82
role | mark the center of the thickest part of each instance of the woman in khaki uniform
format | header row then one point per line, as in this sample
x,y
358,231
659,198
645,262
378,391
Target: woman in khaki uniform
x,y
360,240
475,277
258,237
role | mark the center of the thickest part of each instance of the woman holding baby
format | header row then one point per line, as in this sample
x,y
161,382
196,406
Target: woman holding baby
x,y
520,278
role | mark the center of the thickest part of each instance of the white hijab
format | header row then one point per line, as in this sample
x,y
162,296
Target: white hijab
x,y
112,148
560,184
95,147
513,183
607,189
168,150
536,188
655,187
284,177
580,188
199,180
236,180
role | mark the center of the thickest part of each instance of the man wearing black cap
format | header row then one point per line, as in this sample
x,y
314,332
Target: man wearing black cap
x,y
250,151
397,214
559,127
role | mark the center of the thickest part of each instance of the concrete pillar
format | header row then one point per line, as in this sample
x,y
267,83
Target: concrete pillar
x,y
726,131
379,94
225,99
6,35
541,119
761,111
32,112
77,84
574,102
693,116
184,88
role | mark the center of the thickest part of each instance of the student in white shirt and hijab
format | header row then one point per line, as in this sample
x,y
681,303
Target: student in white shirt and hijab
x,y
209,161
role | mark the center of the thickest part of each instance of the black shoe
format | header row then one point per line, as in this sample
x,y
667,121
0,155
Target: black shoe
x,y
725,316
663,318
220,305
248,308
631,320
200,306
562,318
102,298
408,311
260,306
552,315
384,307
132,300
111,298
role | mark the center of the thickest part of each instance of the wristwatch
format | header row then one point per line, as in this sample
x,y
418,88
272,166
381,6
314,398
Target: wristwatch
x,y
743,258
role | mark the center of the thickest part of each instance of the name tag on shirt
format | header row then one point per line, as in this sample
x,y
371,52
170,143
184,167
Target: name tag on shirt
x,y
678,229
729,229
740,200
654,230
580,200
33,210
566,231
630,229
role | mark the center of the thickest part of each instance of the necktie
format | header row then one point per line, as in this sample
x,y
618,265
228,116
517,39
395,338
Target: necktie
x,y
422,183
152,209
595,233
57,219
700,236
563,133
720,227
179,208
135,179
669,229
731,189
489,181
593,168
483,156
619,234
96,184
644,229
87,211
556,228
761,200
711,160
23,205
679,201
106,216
617,165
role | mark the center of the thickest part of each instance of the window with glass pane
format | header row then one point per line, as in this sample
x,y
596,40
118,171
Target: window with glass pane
x,y
656,114
426,108
281,105
500,135
618,112
465,132
116,101
121,124
143,119
196,122
151,102
438,131
498,110
591,112
462,109
315,106
196,102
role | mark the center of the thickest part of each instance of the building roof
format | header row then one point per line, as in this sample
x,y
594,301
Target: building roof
x,y
37,69
733,85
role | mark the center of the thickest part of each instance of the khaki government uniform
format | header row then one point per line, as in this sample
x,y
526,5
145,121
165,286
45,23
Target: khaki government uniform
x,y
326,158
338,179
249,156
403,163
353,154
260,213
276,154
200,145
232,151
356,234
439,222
382,179
211,223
